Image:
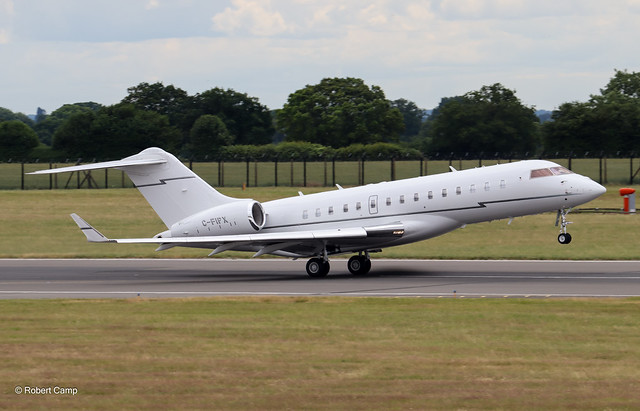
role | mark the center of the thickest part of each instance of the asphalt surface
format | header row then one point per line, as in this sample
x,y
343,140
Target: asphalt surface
x,y
400,278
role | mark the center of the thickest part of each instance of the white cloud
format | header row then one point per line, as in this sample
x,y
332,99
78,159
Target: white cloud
x,y
6,7
4,36
252,17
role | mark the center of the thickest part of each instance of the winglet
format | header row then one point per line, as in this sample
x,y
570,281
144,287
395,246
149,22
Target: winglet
x,y
93,235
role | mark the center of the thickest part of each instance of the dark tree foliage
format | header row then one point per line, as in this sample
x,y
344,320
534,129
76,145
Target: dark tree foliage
x,y
7,115
490,120
338,112
171,101
208,136
412,116
48,124
16,140
606,124
248,121
114,132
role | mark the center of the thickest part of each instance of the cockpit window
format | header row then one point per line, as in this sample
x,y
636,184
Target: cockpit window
x,y
560,170
552,171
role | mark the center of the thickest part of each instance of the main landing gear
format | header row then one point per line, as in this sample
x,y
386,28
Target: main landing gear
x,y
318,267
359,264
563,237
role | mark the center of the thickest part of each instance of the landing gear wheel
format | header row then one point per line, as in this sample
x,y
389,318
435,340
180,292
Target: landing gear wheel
x,y
318,268
359,265
564,238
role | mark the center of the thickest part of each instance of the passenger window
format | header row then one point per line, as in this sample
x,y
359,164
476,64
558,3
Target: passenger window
x,y
416,197
458,190
318,212
402,199
472,188
330,210
487,186
388,201
358,205
345,208
430,195
503,184
305,214
444,192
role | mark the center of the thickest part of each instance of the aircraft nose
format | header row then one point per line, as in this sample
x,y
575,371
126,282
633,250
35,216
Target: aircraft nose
x,y
593,189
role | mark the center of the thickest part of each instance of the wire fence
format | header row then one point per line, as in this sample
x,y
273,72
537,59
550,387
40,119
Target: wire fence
x,y
297,173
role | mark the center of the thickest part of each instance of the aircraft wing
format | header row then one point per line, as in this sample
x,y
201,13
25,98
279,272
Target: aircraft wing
x,y
288,244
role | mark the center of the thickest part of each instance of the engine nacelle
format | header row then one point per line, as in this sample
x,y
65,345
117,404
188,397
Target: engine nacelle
x,y
237,217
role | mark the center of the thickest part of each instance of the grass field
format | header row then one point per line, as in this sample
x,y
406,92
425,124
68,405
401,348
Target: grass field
x,y
322,353
36,223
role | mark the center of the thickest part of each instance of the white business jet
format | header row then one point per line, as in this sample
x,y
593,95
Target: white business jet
x,y
354,220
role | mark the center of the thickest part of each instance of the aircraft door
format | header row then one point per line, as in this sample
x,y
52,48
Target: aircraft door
x,y
373,204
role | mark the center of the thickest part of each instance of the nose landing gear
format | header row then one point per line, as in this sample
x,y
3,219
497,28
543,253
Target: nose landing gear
x,y
563,237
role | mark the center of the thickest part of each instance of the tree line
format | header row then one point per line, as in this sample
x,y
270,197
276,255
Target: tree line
x,y
338,117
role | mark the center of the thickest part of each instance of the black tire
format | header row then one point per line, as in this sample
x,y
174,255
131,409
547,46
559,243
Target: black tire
x,y
359,265
564,238
317,268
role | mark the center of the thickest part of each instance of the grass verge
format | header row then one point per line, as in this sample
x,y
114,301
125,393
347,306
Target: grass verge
x,y
322,353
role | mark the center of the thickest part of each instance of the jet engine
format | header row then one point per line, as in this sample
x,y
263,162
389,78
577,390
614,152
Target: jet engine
x,y
237,217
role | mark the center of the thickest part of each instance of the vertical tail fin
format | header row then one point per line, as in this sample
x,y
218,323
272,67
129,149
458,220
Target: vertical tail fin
x,y
172,190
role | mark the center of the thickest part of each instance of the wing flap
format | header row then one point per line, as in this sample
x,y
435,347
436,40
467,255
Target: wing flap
x,y
259,238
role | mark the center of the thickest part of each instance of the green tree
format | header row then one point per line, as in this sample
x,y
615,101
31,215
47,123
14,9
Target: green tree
x,y
338,112
488,120
607,123
412,116
248,121
114,132
47,125
7,115
16,140
208,135
168,100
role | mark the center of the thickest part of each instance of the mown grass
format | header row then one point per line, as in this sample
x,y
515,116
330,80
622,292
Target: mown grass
x,y
322,353
36,224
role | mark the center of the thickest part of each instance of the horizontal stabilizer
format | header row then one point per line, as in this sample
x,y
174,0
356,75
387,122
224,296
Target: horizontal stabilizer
x,y
93,235
107,164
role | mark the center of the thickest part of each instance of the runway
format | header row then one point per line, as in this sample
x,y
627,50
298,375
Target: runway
x,y
155,278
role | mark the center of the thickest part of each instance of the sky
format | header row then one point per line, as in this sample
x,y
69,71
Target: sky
x,y
548,51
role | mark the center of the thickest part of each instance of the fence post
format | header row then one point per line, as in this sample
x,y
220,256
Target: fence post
x,y
325,170
22,175
393,169
255,173
304,170
291,172
631,169
275,172
333,170
600,166
247,179
570,156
